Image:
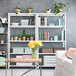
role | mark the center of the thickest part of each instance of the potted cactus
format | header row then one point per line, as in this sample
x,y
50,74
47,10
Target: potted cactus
x,y
15,37
31,37
23,35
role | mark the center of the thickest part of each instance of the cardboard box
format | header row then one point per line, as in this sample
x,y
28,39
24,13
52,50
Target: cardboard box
x,y
58,50
47,50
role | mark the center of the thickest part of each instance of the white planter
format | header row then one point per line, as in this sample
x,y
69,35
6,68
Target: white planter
x,y
24,22
2,41
2,30
11,38
19,39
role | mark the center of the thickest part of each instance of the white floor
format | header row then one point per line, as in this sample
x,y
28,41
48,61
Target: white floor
x,y
18,72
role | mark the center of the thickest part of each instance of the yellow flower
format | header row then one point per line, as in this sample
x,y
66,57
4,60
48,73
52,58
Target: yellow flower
x,y
31,45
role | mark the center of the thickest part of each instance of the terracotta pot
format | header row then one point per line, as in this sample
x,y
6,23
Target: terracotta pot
x,y
31,38
15,38
60,10
23,38
29,10
18,11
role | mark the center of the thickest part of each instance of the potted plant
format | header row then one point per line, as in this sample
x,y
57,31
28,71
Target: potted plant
x,y
19,37
11,38
2,29
29,10
58,7
18,10
27,37
15,37
23,35
2,41
47,10
31,37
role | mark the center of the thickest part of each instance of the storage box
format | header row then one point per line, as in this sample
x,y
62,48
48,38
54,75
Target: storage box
x,y
28,50
58,50
47,50
18,50
24,22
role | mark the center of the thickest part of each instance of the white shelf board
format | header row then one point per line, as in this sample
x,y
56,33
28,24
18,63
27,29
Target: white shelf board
x,y
46,53
19,41
51,14
22,14
22,26
21,66
51,26
51,41
49,65
19,53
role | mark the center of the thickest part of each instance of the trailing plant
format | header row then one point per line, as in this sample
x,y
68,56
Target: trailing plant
x,y
28,9
61,5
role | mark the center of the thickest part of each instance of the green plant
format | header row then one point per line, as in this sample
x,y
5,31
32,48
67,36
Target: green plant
x,y
30,35
18,8
27,36
19,36
61,5
24,32
28,9
15,35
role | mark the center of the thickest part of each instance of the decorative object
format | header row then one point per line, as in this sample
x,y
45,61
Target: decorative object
x,y
19,37
55,38
48,10
15,24
58,7
31,37
15,37
2,41
34,45
18,10
24,22
23,35
29,10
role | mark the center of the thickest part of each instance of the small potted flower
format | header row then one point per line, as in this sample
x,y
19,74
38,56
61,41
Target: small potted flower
x,y
29,10
18,10
15,37
31,37
19,37
2,41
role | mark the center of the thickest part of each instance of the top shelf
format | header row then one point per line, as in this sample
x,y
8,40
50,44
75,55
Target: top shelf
x,y
33,14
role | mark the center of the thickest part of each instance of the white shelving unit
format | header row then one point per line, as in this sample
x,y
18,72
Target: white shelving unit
x,y
36,28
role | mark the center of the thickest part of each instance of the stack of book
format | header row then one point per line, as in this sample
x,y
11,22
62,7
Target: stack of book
x,y
49,61
44,36
23,57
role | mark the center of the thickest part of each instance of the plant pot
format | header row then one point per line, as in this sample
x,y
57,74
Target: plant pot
x,y
19,39
2,41
2,30
31,38
29,10
15,38
17,11
60,10
24,38
48,11
27,39
11,38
